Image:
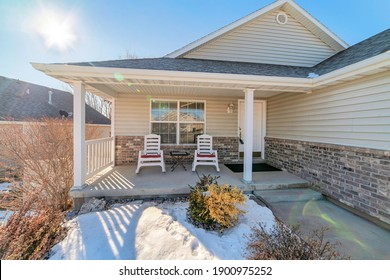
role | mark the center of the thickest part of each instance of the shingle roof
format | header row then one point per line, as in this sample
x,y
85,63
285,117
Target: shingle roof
x,y
21,101
202,65
368,48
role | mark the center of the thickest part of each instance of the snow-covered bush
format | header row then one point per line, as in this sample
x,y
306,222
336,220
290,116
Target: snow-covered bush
x,y
284,243
213,206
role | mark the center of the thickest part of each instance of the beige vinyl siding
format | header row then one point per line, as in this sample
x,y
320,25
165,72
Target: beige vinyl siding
x,y
355,114
265,41
132,114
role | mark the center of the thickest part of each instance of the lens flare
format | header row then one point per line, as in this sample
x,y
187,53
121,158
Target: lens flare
x,y
118,77
56,30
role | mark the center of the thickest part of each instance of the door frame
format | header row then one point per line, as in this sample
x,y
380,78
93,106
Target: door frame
x,y
263,123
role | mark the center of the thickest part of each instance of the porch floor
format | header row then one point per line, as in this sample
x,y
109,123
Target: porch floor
x,y
121,181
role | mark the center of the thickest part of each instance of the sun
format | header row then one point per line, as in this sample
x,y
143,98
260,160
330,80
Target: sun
x,y
56,31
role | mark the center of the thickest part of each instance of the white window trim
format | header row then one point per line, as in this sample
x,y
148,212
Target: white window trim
x,y
178,122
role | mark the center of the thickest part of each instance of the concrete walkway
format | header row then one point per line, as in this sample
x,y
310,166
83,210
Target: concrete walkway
x,y
358,238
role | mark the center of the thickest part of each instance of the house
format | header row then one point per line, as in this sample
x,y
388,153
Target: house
x,y
317,107
20,102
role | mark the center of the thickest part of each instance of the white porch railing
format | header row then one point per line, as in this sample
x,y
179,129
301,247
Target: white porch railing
x,y
99,155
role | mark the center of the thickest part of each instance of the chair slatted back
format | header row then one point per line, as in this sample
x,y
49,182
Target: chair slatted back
x,y
152,144
205,144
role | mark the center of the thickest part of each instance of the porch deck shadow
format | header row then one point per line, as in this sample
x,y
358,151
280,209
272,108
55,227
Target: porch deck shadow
x,y
121,181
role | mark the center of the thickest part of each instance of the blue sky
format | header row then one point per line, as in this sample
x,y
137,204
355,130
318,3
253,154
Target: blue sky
x,y
104,30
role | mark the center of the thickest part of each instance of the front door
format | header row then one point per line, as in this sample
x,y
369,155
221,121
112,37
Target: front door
x,y
258,129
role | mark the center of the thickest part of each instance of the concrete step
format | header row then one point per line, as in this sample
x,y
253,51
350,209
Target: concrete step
x,y
277,180
288,195
270,186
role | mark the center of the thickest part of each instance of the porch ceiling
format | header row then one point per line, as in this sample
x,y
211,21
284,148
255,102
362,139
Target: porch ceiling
x,y
117,84
180,90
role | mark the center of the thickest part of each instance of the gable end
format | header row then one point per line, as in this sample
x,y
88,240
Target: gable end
x,y
264,40
281,33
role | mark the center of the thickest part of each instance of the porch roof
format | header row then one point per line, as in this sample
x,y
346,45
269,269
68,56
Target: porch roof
x,y
202,65
109,78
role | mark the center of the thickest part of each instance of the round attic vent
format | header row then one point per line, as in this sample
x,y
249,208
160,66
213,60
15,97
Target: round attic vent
x,y
281,18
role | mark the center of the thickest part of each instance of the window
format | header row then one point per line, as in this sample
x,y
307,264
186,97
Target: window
x,y
177,122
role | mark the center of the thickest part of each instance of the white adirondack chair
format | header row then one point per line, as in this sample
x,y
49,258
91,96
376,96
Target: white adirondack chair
x,y
152,155
205,155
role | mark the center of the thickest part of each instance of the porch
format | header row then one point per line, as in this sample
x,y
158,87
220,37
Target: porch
x,y
122,182
178,105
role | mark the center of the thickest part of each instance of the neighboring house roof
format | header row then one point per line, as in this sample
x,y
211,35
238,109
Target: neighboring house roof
x,y
290,7
368,48
21,101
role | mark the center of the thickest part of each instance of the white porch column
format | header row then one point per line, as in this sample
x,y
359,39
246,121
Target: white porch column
x,y
79,160
248,135
113,131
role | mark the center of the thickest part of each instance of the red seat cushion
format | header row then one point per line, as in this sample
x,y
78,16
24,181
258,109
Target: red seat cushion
x,y
206,155
150,156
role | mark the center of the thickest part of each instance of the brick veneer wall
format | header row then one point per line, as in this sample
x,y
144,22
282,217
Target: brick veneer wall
x,y
127,147
358,177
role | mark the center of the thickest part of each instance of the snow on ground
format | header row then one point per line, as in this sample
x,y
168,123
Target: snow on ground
x,y
4,187
4,216
155,231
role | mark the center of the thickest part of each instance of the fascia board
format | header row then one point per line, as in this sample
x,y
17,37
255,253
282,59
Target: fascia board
x,y
107,72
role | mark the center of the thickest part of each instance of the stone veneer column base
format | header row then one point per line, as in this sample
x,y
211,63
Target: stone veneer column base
x,y
127,147
357,177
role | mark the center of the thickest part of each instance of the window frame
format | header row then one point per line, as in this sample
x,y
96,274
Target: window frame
x,y
177,122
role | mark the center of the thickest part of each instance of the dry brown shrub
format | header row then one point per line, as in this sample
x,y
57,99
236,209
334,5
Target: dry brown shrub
x,y
42,152
284,243
30,232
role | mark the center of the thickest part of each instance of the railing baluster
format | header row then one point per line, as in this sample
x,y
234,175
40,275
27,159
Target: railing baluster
x,y
102,154
105,152
93,158
99,158
99,155
88,169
